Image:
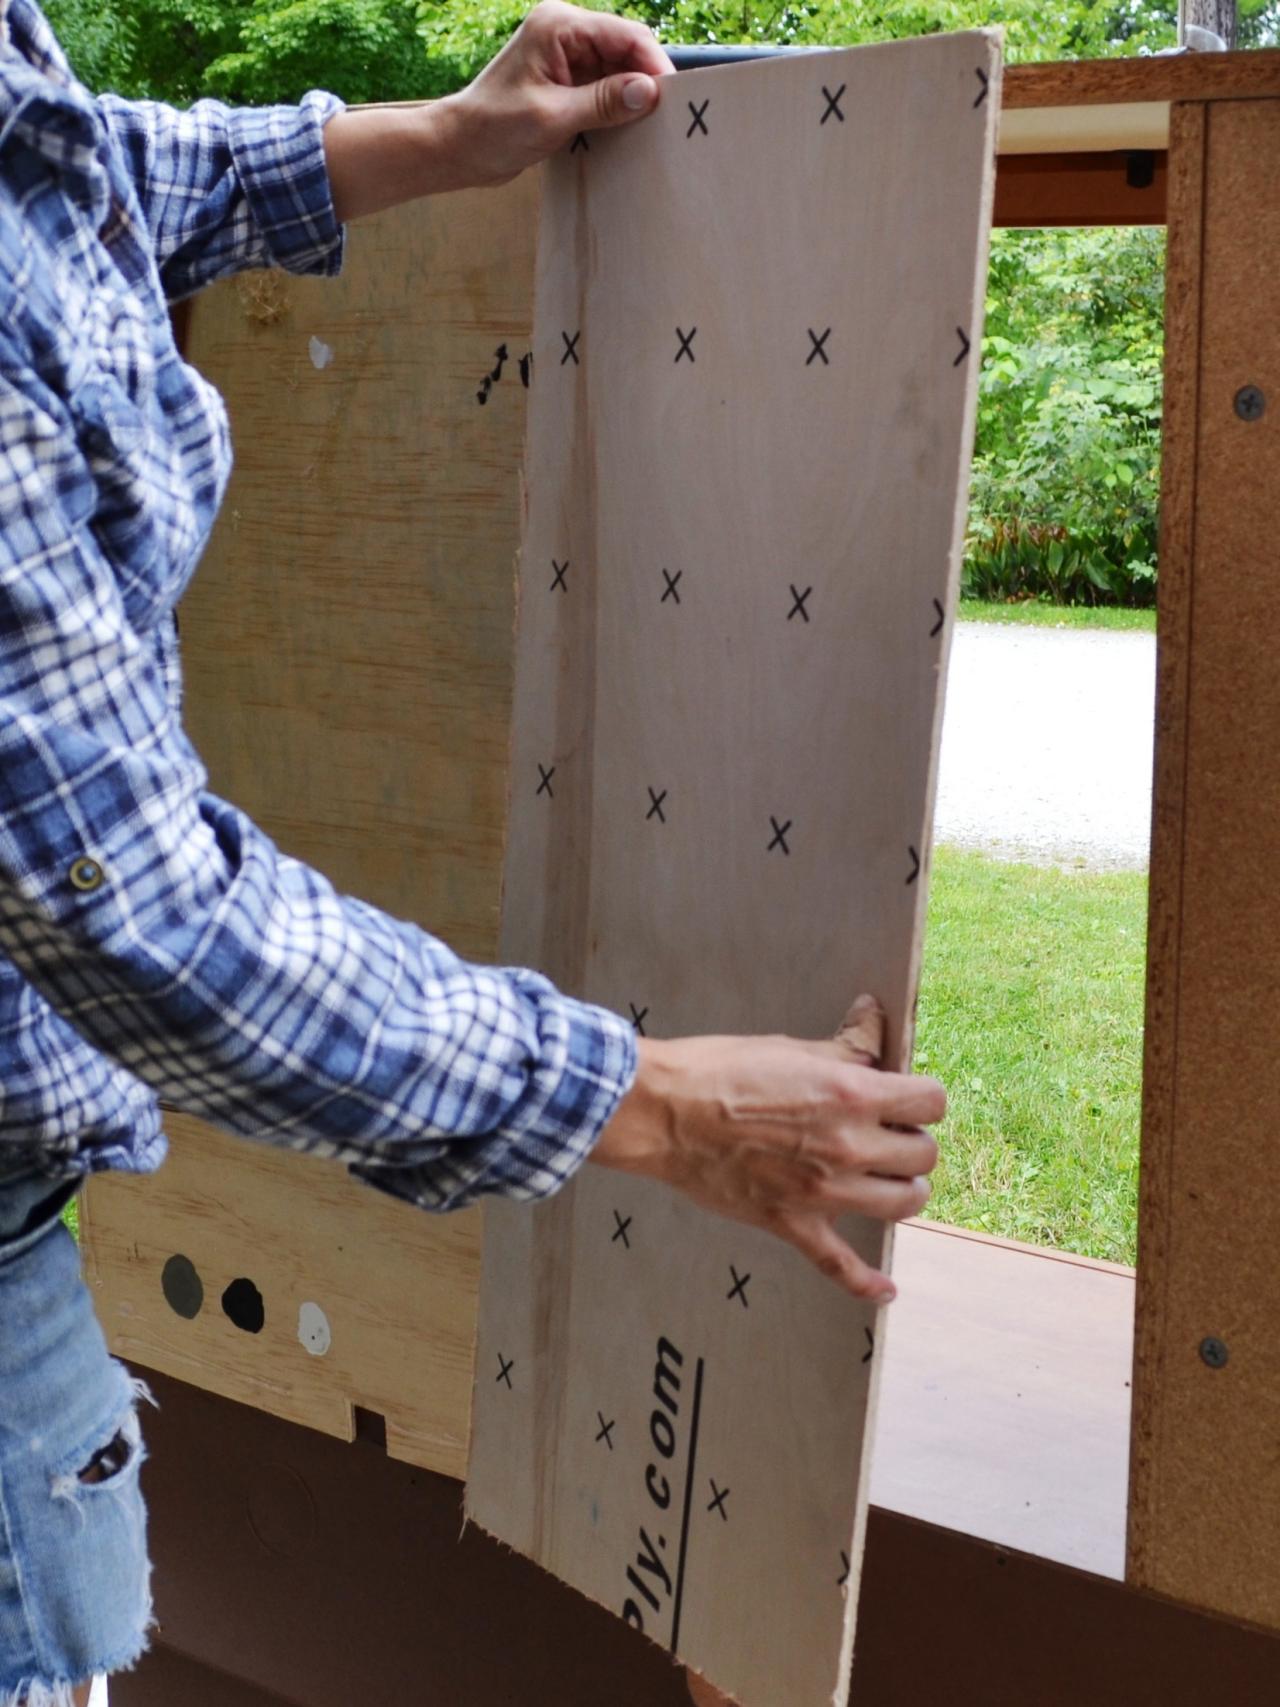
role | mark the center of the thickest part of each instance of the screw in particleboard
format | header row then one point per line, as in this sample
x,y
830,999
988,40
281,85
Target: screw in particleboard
x,y
1251,403
1214,1352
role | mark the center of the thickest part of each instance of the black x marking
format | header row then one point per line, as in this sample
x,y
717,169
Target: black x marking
x,y
915,866
656,807
739,1288
526,369
833,103
817,349
698,122
570,348
544,782
982,77
580,142
620,1231
673,582
505,1366
561,570
779,835
964,346
638,1016
686,344
871,1345
797,608
718,1497
936,630
843,1578
606,1430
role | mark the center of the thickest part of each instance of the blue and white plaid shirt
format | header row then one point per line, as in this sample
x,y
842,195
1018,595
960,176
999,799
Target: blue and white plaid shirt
x,y
154,943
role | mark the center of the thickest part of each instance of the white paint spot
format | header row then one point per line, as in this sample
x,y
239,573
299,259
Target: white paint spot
x,y
321,354
313,1330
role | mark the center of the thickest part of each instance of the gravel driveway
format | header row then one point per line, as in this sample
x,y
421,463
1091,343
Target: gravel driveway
x,y
1046,745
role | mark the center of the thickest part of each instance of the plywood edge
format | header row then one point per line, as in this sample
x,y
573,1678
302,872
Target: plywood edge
x,y
1177,542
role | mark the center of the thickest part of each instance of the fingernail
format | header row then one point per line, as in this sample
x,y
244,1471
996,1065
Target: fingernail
x,y
887,1295
637,94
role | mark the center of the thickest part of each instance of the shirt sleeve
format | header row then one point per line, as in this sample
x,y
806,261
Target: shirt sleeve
x,y
224,189
173,935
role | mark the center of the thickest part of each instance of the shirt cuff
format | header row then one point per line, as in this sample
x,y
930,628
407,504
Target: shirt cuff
x,y
587,1065
279,156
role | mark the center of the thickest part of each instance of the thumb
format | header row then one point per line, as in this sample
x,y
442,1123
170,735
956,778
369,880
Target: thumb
x,y
861,1031
612,101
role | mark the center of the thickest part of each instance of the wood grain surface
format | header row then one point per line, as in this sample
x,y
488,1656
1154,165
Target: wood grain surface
x,y
1205,1510
755,339
348,652
364,1301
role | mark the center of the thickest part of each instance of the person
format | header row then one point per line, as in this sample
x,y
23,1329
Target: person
x,y
154,943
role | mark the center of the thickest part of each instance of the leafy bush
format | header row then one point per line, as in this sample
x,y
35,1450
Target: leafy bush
x,y
1063,502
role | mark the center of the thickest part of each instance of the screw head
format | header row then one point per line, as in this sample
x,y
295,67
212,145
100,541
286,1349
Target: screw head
x,y
1250,403
1214,1352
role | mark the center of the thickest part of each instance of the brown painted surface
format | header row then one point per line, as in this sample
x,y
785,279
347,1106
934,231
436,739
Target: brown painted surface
x,y
1077,189
295,1571
1205,1506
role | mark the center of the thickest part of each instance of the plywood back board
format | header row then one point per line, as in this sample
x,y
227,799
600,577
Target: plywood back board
x,y
348,652
755,360
343,1298
1206,1475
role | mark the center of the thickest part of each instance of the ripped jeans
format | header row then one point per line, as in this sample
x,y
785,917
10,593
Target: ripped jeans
x,y
74,1577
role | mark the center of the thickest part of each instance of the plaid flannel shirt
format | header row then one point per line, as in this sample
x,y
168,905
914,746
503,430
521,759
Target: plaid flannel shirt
x,y
154,943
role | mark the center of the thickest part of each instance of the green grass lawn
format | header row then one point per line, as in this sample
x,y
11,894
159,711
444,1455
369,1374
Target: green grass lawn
x,y
1031,613
1031,1015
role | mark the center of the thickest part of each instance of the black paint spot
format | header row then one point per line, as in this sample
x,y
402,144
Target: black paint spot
x,y
242,1303
183,1289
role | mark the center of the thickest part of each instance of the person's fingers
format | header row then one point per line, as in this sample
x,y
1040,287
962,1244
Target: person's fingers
x,y
897,1155
818,1240
608,102
861,1031
909,1099
874,1195
618,43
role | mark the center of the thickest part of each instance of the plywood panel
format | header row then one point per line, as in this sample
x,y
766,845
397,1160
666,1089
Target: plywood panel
x,y
756,332
347,643
1206,1488
362,1300
347,640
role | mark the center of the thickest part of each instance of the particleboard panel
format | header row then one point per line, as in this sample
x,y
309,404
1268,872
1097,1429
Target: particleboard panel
x,y
348,652
755,354
276,1280
1206,1474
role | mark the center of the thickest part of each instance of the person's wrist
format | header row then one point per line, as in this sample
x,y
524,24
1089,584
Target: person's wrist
x,y
637,1138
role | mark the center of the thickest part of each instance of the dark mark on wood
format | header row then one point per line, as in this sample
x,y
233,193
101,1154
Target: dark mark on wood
x,y
833,103
818,347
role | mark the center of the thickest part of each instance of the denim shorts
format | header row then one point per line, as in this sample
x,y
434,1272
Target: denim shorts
x,y
74,1576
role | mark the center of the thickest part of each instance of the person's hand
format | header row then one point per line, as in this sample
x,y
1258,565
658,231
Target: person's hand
x,y
564,71
784,1134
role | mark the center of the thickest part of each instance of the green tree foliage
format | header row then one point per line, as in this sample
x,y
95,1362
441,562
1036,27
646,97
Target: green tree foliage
x,y
1066,464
